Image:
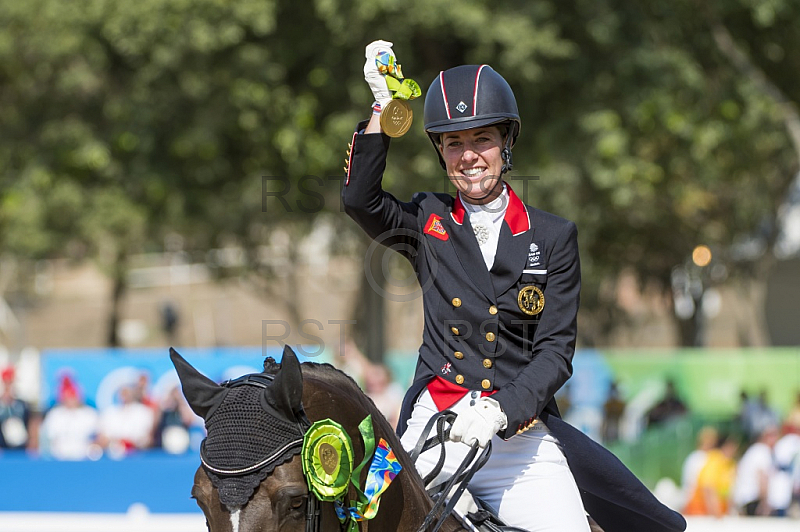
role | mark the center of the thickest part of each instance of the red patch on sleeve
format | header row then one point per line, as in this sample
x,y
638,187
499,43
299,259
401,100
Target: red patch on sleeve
x,y
435,228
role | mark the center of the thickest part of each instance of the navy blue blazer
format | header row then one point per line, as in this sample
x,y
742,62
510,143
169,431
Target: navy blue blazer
x,y
509,331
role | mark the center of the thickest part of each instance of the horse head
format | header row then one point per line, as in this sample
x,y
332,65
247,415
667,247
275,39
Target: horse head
x,y
251,478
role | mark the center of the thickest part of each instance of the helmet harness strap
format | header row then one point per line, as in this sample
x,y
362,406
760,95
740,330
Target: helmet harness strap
x,y
511,133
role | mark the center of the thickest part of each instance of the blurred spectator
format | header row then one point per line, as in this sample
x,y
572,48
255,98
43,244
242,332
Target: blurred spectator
x,y
375,379
15,415
613,409
783,482
384,392
753,475
712,491
668,408
141,391
126,426
748,412
69,428
707,439
764,416
792,421
175,421
170,319
352,361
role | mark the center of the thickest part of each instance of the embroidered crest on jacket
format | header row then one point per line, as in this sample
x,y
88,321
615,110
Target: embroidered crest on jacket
x,y
435,228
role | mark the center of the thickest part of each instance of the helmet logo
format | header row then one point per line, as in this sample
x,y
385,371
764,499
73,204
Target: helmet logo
x,y
461,106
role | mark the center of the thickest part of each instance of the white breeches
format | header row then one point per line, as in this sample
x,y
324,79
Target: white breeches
x,y
526,480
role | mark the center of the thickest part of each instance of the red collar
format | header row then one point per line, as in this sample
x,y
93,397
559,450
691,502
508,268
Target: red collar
x,y
516,215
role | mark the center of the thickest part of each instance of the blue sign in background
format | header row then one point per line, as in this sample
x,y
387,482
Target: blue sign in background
x,y
100,373
153,478
159,481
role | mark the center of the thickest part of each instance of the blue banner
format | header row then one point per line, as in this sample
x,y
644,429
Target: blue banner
x,y
99,374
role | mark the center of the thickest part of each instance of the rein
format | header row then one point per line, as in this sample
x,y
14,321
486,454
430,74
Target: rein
x,y
462,475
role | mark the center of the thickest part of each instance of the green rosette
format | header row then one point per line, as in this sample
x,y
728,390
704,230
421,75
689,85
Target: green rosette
x,y
327,459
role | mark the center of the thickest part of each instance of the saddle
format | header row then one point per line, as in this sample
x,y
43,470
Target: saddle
x,y
482,518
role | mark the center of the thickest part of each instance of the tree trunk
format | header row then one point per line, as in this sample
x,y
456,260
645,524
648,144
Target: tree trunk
x,y
370,312
119,275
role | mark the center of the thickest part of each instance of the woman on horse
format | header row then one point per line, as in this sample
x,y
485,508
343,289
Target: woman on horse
x,y
501,283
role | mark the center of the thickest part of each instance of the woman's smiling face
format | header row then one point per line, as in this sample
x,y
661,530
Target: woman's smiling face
x,y
474,162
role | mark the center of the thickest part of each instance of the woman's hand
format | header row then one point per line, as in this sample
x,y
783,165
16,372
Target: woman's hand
x,y
373,76
479,422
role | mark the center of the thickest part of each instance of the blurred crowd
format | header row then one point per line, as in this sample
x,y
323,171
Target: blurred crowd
x,y
750,466
752,470
71,429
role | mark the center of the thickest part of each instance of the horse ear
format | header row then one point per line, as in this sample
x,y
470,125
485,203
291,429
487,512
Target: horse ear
x,y
203,394
286,392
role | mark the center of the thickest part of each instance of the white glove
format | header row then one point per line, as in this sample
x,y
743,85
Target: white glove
x,y
375,79
479,422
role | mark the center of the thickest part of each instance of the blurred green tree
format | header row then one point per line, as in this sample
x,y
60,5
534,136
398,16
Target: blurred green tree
x,y
123,123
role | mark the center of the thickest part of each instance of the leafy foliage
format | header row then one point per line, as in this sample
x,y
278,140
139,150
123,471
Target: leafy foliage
x,y
124,122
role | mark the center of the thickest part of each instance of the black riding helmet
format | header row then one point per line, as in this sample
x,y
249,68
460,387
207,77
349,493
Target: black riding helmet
x,y
467,97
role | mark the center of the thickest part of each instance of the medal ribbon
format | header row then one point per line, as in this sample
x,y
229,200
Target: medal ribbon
x,y
383,468
401,89
327,459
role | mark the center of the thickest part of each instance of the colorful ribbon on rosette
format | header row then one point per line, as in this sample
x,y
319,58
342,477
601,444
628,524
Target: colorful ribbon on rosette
x,y
327,458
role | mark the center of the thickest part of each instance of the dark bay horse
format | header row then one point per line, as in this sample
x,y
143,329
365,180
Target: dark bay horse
x,y
274,497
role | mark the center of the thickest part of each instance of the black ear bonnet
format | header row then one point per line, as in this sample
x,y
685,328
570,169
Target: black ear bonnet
x,y
254,423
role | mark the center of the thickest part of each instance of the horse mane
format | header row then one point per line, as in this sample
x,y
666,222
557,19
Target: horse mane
x,y
343,382
332,375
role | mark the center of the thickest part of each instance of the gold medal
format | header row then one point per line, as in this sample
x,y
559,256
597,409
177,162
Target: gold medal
x,y
531,300
328,458
396,118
